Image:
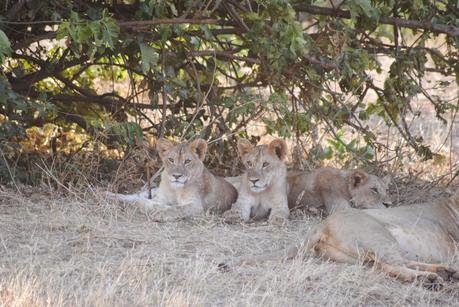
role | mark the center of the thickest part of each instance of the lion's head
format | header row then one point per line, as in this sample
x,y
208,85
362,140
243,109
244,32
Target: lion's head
x,y
182,162
368,191
264,163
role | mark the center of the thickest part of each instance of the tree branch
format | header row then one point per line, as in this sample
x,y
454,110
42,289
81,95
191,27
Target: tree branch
x,y
163,92
400,22
103,100
222,55
32,39
47,69
166,21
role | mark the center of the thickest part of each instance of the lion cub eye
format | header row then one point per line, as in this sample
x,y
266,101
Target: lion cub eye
x,y
187,161
265,164
249,163
171,160
375,190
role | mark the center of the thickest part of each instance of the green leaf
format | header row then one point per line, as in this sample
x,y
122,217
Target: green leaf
x,y
5,46
110,32
362,8
366,7
207,34
149,57
173,9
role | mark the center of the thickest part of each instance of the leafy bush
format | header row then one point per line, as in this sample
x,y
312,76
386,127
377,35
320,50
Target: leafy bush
x,y
190,68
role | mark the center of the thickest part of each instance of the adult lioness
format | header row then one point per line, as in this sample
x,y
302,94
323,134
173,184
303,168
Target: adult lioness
x,y
406,242
187,188
263,188
333,189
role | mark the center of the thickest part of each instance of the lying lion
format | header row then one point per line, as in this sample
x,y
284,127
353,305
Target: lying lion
x,y
187,188
333,189
408,242
330,189
263,188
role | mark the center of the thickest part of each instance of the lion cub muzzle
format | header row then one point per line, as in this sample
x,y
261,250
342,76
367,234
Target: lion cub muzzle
x,y
178,180
256,184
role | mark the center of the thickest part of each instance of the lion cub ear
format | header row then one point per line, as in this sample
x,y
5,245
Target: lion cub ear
x,y
278,147
357,178
199,147
163,146
244,147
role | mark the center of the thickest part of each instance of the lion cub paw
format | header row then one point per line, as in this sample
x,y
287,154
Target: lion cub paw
x,y
431,281
277,220
162,216
231,216
448,273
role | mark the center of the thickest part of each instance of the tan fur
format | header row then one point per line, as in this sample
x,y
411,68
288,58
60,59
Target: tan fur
x,y
408,242
332,189
263,188
187,188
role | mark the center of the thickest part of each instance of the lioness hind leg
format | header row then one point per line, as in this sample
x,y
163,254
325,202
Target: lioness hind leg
x,y
429,279
332,252
446,272
402,273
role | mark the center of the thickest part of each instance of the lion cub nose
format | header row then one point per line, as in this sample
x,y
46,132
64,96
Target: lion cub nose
x,y
253,180
176,176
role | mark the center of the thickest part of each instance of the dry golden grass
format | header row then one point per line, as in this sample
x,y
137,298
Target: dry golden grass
x,y
87,251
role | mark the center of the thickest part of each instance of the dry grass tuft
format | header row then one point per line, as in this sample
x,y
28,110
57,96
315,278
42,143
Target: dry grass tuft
x,y
63,251
131,174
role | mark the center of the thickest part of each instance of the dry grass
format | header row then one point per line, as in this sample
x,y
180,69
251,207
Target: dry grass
x,y
86,251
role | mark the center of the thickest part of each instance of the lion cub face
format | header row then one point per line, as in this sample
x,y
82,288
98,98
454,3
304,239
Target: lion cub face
x,y
368,191
264,163
182,162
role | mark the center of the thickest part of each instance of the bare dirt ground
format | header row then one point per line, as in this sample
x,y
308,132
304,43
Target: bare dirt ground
x,y
87,251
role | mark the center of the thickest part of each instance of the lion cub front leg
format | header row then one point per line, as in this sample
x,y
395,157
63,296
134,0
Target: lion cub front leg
x,y
279,210
186,207
240,210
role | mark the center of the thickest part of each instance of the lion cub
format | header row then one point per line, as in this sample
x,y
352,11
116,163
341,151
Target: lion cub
x,y
263,188
333,189
187,188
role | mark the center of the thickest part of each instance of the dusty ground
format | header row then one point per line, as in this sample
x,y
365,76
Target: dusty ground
x,y
87,251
